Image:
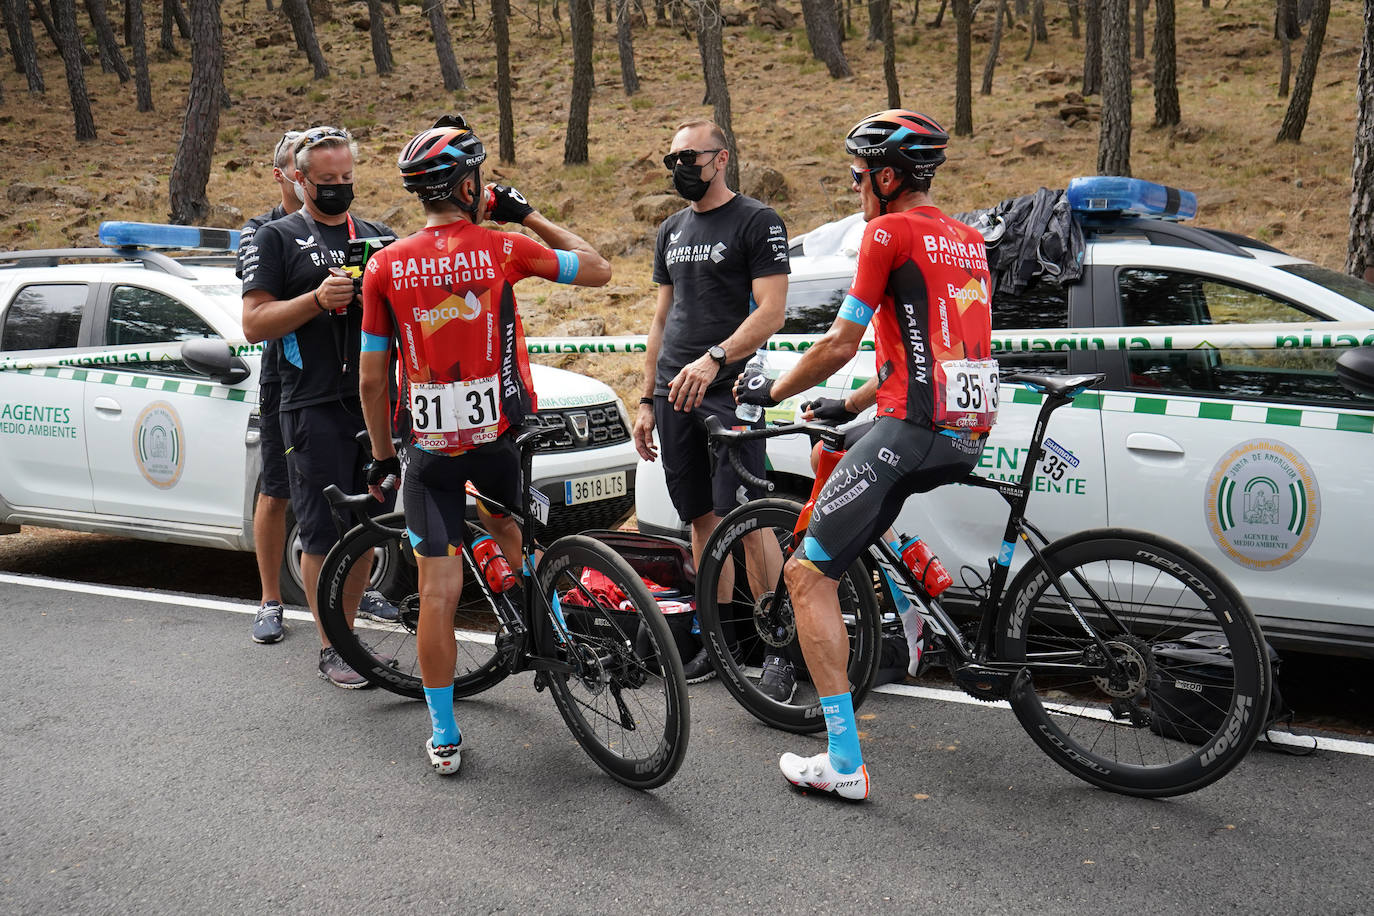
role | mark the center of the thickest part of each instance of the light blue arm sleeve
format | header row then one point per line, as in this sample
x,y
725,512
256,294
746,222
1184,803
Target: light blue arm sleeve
x,y
373,343
567,266
856,310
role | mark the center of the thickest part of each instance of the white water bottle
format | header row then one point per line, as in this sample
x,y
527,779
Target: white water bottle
x,y
750,413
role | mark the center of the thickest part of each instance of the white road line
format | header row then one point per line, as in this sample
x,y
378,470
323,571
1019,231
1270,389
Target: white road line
x,y
1335,745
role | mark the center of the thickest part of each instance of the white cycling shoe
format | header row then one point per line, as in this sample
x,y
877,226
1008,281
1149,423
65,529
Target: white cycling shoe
x,y
817,773
446,758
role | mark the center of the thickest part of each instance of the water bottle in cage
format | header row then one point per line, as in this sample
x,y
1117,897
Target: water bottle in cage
x,y
927,568
492,562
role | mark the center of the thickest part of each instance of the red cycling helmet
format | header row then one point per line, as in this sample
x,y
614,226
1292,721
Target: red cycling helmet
x,y
436,160
907,141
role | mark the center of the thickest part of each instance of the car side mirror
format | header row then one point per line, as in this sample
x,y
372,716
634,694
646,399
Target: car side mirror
x,y
212,356
1355,370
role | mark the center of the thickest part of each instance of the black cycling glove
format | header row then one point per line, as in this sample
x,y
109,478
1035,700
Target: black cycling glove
x,y
379,469
829,410
506,205
753,387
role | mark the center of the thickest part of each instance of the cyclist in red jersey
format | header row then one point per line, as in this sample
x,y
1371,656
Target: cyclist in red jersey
x,y
923,279
445,295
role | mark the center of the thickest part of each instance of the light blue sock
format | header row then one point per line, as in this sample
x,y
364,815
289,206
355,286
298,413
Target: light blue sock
x,y
845,755
440,703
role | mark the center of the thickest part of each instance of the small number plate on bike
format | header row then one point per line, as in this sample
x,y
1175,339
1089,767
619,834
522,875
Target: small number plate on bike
x,y
966,394
539,506
591,489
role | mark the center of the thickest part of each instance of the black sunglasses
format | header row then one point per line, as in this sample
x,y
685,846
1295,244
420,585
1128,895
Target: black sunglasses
x,y
320,134
686,156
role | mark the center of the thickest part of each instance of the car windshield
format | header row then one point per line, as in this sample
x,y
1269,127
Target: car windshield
x,y
1350,287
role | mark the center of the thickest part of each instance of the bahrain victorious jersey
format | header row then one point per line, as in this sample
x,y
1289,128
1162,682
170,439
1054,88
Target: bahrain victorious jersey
x,y
445,294
923,279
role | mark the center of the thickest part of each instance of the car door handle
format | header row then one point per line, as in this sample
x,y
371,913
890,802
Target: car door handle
x,y
1153,443
107,407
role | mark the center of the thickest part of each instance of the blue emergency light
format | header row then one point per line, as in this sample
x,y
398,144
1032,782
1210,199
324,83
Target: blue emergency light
x,y
1108,194
157,235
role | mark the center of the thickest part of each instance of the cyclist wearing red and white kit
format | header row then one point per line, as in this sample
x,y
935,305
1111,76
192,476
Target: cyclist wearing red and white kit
x,y
445,294
923,279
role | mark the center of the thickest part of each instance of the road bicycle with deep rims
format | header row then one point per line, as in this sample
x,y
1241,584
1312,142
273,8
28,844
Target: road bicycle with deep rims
x,y
582,621
1079,643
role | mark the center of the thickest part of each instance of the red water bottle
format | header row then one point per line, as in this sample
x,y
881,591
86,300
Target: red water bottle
x,y
927,567
493,563
826,460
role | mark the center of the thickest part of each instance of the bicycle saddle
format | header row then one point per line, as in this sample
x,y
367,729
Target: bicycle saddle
x,y
1059,385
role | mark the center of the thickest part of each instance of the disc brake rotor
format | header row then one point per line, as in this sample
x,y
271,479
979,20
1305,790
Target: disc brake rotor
x,y
774,622
1132,666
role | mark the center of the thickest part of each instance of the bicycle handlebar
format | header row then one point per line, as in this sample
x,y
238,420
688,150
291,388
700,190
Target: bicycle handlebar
x,y
732,439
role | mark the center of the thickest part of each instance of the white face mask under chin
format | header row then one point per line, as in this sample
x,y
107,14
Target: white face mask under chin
x,y
300,191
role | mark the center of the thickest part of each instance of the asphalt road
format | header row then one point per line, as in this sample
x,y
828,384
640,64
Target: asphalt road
x,y
153,760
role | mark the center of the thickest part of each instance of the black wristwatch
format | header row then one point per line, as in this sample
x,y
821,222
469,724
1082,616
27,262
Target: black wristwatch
x,y
718,354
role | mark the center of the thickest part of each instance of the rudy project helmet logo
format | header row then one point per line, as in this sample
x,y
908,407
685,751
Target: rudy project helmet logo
x,y
1262,504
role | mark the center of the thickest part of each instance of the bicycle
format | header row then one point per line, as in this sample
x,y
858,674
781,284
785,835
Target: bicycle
x,y
1074,643
604,653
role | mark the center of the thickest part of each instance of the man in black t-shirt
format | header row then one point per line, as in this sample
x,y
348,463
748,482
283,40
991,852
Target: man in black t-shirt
x,y
274,490
294,288
721,266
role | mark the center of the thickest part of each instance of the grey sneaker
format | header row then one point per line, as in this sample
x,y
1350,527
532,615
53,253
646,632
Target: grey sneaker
x,y
338,672
779,680
699,668
374,606
267,626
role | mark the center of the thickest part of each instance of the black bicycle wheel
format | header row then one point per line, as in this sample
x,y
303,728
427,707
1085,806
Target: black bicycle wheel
x,y
385,653
1138,592
750,546
626,702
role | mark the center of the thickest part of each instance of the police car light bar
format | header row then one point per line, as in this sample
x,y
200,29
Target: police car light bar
x,y
1106,194
156,235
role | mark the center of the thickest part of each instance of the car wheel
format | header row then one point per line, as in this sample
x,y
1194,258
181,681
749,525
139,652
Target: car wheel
x,y
391,569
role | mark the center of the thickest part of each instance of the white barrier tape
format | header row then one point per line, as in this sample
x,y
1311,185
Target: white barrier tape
x,y
1323,335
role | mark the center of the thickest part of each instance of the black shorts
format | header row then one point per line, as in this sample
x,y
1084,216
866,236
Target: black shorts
x,y
434,494
323,450
698,480
865,492
275,480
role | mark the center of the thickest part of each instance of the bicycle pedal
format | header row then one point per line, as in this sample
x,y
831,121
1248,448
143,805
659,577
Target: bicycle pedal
x,y
984,683
541,681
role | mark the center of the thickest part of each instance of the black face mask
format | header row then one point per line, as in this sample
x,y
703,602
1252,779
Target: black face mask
x,y
333,199
687,181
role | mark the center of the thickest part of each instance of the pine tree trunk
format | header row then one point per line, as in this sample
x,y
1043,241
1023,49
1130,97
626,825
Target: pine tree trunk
x,y
624,40
64,14
26,52
166,41
111,61
50,27
1092,46
195,152
1296,117
1286,28
994,45
712,47
963,68
894,91
303,27
500,27
443,46
823,32
1073,20
582,22
939,19
1039,29
143,89
1360,257
1167,111
381,44
9,15
1140,7
183,22
1114,142
875,20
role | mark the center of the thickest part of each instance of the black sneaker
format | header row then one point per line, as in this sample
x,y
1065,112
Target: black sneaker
x,y
338,672
267,626
374,606
699,668
779,680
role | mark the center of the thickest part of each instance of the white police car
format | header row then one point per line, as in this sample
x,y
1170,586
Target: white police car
x,y
128,402
1221,424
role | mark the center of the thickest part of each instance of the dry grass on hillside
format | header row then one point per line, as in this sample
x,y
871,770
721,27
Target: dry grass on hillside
x,y
789,115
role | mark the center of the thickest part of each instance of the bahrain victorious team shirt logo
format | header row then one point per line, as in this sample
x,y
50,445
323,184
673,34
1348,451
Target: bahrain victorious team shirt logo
x,y
1262,504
